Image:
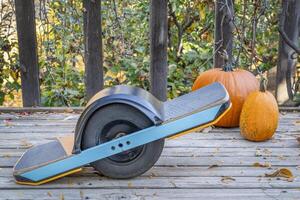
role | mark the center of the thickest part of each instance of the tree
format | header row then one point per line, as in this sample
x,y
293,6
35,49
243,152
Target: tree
x,y
158,48
93,52
25,19
288,49
224,14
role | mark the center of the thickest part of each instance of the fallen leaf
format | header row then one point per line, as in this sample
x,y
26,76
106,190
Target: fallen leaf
x,y
173,183
226,179
216,150
62,197
267,151
69,118
207,130
258,153
282,172
24,113
81,194
153,174
49,194
7,122
257,164
25,143
69,110
298,139
129,184
70,182
282,157
213,166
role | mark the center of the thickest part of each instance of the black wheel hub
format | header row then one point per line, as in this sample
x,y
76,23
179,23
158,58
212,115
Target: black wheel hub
x,y
117,129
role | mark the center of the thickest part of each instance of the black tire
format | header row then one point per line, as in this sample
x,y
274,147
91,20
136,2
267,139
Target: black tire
x,y
111,121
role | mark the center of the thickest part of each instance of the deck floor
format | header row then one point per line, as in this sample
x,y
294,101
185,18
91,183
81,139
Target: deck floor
x,y
213,164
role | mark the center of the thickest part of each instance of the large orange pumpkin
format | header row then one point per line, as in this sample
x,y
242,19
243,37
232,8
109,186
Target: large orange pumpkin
x,y
238,82
259,116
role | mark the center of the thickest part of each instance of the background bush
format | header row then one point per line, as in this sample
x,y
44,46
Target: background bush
x,y
126,45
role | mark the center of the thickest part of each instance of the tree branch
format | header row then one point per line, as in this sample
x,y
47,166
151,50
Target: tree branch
x,y
288,41
283,34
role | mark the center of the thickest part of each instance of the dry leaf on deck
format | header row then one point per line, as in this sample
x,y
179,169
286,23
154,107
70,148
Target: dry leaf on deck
x,y
69,118
213,166
298,139
207,130
25,143
262,165
173,184
7,122
282,172
81,194
226,179
129,185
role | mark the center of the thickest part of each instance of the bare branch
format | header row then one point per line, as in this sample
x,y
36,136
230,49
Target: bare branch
x,y
283,34
288,41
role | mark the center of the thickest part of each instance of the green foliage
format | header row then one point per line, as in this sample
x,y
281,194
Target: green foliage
x,y
125,34
9,68
60,36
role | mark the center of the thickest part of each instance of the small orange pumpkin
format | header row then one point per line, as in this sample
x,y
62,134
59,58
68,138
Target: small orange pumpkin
x,y
238,82
259,116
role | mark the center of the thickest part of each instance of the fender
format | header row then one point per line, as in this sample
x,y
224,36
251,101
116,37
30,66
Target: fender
x,y
133,96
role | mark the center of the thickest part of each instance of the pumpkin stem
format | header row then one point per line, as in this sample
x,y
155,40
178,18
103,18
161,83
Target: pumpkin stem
x,y
263,83
227,66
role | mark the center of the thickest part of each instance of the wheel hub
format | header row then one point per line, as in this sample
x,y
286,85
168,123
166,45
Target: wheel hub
x,y
115,130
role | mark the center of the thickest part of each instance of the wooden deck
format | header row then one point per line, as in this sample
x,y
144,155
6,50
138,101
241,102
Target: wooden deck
x,y
214,164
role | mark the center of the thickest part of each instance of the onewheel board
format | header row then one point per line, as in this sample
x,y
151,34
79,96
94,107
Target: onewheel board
x,y
184,114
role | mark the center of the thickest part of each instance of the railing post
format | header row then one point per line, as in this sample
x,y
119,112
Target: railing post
x,y
158,48
93,47
25,18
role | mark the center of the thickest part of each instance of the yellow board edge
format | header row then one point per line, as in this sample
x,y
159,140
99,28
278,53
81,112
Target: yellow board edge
x,y
50,179
202,126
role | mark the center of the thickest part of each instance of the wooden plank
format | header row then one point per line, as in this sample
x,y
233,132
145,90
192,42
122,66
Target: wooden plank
x,y
193,166
62,130
286,143
99,182
9,161
187,171
151,194
203,152
40,116
10,128
40,109
290,110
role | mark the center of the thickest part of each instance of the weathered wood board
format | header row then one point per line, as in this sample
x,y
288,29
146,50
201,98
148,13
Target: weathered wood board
x,y
213,164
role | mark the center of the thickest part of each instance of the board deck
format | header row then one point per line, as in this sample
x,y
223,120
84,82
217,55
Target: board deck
x,y
195,101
